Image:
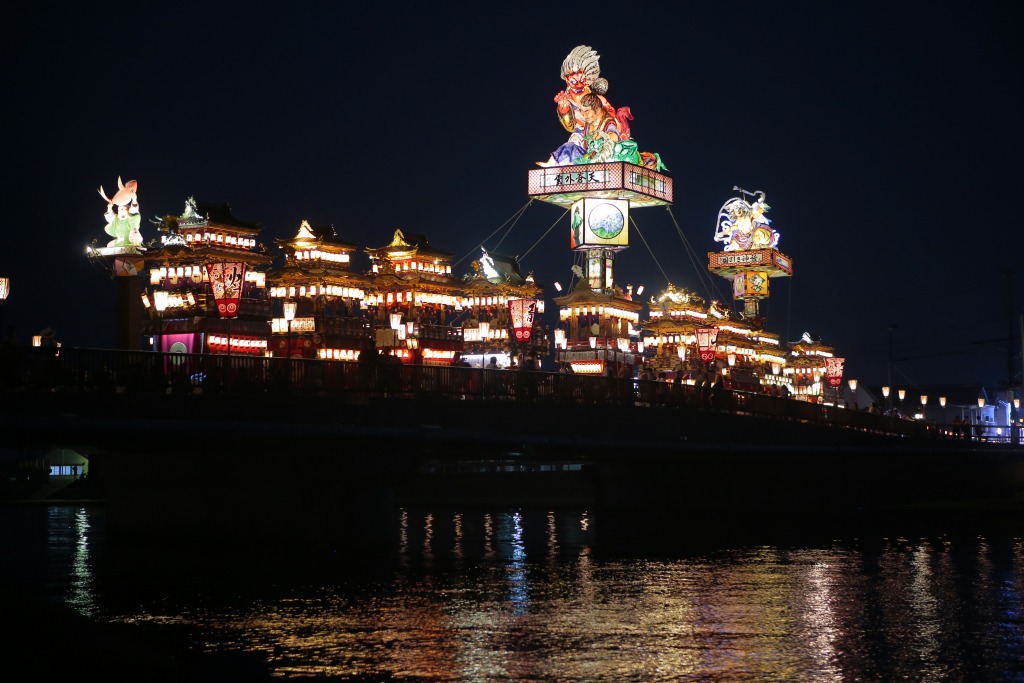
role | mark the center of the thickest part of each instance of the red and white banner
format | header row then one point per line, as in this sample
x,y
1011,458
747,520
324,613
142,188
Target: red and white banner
x,y
523,312
706,339
834,371
226,280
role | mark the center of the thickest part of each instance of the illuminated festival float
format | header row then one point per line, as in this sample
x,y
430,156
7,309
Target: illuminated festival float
x,y
207,284
502,313
598,175
748,258
123,257
708,343
413,300
317,298
270,350
814,372
211,289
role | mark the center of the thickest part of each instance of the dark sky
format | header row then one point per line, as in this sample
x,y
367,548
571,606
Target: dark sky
x,y
886,137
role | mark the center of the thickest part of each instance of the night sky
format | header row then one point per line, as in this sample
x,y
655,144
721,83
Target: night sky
x,y
884,136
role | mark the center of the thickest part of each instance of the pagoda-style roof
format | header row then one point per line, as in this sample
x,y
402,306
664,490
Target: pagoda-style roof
x,y
312,256
413,280
767,343
404,247
207,233
811,345
318,275
497,275
184,249
203,214
810,351
498,269
582,294
321,238
206,252
677,307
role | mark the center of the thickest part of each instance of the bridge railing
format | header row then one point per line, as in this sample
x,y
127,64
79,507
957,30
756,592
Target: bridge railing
x,y
85,371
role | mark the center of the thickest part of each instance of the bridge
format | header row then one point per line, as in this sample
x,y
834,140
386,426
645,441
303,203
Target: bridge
x,y
38,382
173,437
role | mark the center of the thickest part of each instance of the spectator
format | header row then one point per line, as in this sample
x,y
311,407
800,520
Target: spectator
x,y
48,338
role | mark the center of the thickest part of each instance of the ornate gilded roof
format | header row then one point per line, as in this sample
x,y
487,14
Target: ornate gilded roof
x,y
677,307
203,214
583,294
404,246
321,237
206,252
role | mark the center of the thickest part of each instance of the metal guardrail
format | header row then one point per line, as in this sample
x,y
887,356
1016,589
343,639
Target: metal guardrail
x,y
93,371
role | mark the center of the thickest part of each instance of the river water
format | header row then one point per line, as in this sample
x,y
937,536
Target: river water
x,y
534,595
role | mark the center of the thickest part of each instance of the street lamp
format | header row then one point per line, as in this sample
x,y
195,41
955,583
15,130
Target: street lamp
x,y
5,290
924,406
852,383
1016,418
903,395
885,395
981,404
891,328
289,315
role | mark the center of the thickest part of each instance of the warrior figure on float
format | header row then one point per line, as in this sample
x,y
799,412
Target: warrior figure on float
x,y
743,225
598,131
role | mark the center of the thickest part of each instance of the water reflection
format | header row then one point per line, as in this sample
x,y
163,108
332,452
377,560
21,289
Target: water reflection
x,y
532,595
70,541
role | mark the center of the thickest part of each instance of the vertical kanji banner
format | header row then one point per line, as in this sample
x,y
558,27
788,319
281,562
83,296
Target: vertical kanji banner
x,y
522,312
834,371
226,280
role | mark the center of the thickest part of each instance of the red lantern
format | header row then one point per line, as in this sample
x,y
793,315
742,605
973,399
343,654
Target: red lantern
x,y
706,339
523,312
226,280
834,371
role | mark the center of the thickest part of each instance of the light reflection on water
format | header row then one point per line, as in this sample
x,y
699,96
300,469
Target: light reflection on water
x,y
533,595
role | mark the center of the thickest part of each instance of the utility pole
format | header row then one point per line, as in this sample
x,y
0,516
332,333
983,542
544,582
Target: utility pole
x,y
891,328
1010,365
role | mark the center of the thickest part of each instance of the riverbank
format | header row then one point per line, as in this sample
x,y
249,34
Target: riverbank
x,y
56,491
47,640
